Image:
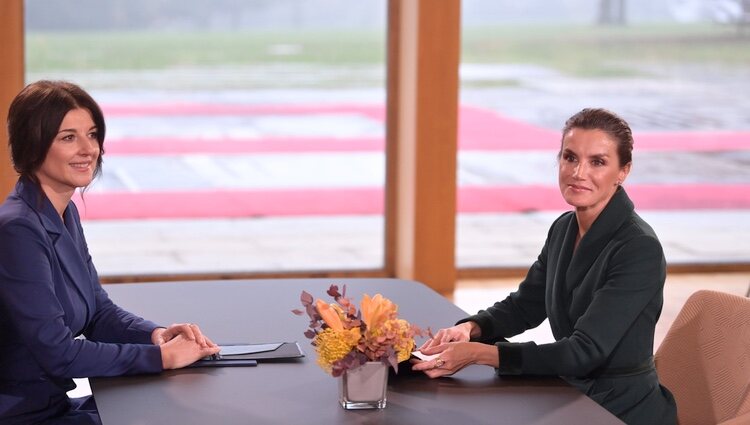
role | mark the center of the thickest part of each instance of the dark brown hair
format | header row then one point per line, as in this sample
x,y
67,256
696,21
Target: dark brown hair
x,y
35,116
608,122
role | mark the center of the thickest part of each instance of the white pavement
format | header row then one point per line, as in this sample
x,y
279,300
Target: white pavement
x,y
355,242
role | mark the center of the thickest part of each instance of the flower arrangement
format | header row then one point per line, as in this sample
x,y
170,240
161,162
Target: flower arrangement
x,y
345,338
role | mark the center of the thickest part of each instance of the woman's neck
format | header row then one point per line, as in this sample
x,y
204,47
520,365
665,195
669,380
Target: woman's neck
x,y
59,199
585,218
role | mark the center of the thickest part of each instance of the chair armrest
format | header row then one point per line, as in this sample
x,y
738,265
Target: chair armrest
x,y
739,420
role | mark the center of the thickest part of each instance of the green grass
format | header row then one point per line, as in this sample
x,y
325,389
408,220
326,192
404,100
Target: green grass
x,y
150,50
607,51
576,50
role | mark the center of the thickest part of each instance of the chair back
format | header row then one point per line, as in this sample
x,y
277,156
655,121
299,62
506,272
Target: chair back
x,y
704,359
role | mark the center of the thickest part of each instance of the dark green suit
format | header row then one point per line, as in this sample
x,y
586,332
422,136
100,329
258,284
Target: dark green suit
x,y
602,301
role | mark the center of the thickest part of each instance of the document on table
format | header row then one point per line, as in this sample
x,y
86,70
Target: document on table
x,y
250,354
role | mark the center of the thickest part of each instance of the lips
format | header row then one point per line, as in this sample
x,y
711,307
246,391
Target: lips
x,y
82,166
578,188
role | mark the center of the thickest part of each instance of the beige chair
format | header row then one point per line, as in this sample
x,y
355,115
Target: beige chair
x,y
705,360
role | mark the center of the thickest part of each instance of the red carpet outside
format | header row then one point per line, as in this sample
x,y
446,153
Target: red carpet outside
x,y
479,130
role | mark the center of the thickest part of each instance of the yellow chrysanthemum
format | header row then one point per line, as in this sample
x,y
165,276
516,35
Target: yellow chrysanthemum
x,y
404,342
332,345
404,351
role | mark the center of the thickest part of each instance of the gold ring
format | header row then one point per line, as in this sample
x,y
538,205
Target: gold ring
x,y
439,363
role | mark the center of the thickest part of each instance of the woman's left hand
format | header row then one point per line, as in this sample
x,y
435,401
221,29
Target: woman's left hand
x,y
189,331
454,356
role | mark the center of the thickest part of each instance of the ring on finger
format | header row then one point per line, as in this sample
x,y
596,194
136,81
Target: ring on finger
x,y
439,362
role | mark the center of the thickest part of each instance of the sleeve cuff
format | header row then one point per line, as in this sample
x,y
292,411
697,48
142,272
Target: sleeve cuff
x,y
153,354
146,329
511,358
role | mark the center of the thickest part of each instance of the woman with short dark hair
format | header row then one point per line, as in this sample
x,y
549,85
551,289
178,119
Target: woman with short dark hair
x,y
50,295
599,279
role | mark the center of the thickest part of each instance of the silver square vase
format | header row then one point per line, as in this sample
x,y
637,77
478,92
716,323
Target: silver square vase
x,y
364,387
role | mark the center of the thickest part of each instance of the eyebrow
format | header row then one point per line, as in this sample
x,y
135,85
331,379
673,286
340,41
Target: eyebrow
x,y
596,155
73,130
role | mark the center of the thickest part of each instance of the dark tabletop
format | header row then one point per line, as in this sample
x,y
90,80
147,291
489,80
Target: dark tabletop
x,y
299,392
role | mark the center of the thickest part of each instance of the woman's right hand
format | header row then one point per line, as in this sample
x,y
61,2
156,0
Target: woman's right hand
x,y
459,333
179,352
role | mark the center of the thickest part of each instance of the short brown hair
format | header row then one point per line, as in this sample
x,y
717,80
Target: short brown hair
x,y
608,122
35,116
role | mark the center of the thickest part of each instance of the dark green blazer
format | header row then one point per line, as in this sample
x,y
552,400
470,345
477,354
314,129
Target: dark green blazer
x,y
602,301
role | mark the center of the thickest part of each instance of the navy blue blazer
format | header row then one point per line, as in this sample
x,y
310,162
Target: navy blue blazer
x,y
50,296
602,300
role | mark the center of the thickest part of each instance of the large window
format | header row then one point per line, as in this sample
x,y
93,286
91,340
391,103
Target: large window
x,y
242,136
677,71
249,136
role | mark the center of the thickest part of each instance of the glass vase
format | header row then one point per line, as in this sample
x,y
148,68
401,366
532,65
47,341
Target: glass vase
x,y
364,387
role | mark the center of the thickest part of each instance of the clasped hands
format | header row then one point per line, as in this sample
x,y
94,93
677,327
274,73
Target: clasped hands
x,y
182,344
453,351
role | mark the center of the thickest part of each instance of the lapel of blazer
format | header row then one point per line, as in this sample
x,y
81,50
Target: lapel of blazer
x,y
558,314
68,253
602,230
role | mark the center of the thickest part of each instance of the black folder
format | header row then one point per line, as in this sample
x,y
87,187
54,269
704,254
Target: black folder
x,y
250,354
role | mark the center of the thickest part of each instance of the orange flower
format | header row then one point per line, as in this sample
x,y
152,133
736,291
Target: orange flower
x,y
376,310
345,338
329,315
